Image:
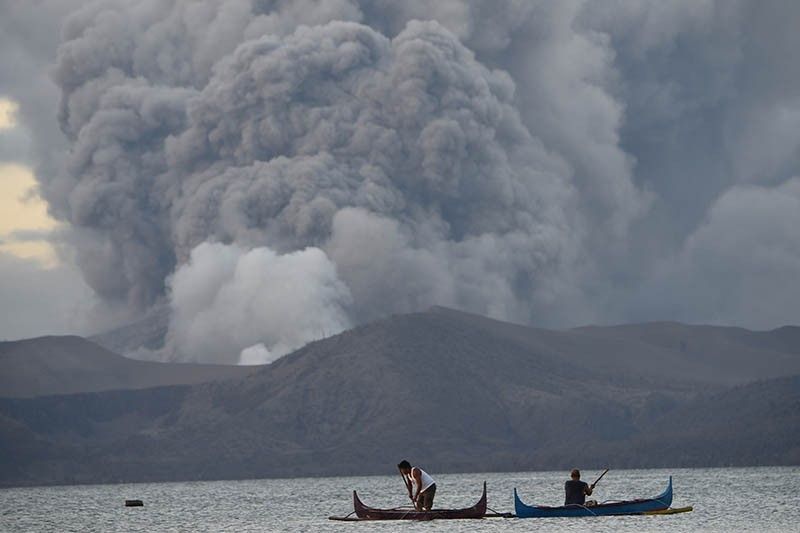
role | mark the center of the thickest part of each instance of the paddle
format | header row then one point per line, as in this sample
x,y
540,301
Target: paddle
x,y
601,477
407,483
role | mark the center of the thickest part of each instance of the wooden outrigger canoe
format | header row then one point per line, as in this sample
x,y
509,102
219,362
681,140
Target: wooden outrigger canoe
x,y
363,512
630,507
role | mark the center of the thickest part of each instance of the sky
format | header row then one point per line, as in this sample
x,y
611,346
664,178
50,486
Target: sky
x,y
273,172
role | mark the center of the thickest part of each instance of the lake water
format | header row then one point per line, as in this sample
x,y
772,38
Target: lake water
x,y
724,500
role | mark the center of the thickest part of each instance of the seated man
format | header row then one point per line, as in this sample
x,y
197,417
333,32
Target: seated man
x,y
417,478
577,490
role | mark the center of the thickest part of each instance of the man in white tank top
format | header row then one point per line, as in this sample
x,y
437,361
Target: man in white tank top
x,y
421,486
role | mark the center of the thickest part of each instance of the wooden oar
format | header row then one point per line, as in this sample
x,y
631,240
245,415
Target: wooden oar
x,y
601,477
407,483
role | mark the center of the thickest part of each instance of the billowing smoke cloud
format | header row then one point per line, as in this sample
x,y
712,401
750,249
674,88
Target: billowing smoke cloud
x,y
553,163
403,161
750,245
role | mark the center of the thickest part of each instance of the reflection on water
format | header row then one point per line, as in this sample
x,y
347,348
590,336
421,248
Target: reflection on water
x,y
725,500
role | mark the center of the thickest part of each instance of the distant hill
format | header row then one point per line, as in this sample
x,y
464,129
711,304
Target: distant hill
x,y
713,353
148,332
453,391
701,354
69,364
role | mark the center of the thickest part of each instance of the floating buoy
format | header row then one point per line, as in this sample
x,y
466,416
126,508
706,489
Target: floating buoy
x,y
134,503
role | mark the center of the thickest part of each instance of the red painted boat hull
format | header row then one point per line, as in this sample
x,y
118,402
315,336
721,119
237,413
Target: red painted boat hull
x,y
369,513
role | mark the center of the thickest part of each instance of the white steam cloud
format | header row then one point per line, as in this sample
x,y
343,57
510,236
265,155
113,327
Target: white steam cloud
x,y
225,297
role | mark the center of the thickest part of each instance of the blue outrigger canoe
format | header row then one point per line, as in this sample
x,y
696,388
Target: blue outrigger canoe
x,y
611,508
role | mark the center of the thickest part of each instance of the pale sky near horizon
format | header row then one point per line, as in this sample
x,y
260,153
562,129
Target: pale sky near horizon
x,y
21,209
39,293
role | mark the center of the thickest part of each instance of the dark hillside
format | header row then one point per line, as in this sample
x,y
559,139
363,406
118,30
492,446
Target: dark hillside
x,y
459,391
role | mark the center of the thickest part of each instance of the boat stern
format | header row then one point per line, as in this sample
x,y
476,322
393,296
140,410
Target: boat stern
x,y
665,498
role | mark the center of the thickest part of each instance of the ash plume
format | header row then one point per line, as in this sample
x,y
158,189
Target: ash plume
x,y
541,162
402,161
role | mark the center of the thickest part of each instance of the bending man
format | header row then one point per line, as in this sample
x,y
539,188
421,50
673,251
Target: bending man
x,y
421,486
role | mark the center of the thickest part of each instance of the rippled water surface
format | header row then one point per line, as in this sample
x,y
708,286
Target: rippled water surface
x,y
724,500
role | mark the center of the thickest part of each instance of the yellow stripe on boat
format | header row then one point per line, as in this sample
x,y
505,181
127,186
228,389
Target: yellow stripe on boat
x,y
676,510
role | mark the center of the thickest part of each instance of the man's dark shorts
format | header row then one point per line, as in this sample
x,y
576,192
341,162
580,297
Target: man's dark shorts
x,y
425,499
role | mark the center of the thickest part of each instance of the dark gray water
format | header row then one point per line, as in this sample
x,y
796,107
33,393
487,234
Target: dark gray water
x,y
725,500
